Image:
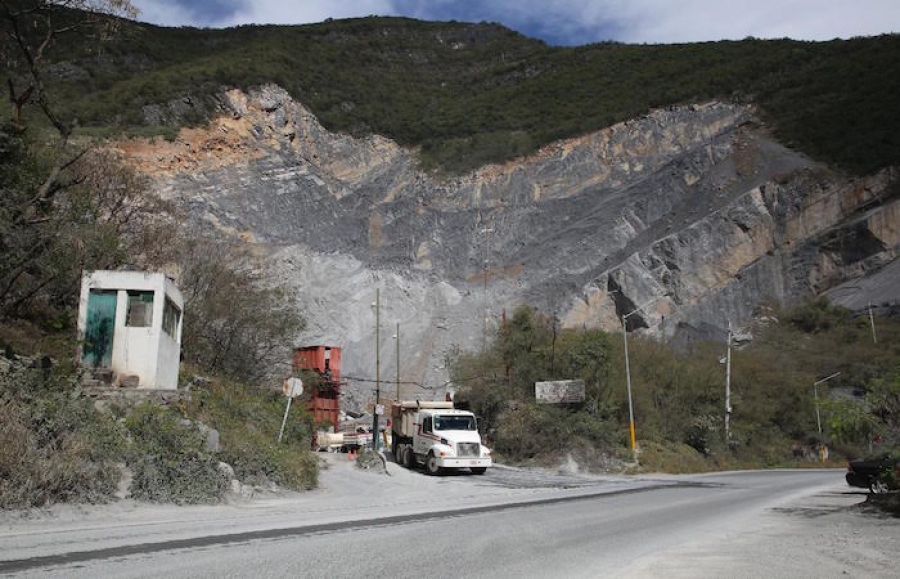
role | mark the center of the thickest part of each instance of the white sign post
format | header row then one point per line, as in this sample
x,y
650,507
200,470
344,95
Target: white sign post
x,y
292,388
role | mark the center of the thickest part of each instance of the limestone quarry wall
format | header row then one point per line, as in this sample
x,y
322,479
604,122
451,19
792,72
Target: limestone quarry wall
x,y
697,204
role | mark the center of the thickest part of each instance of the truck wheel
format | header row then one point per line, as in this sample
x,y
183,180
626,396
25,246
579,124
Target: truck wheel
x,y
431,465
479,469
408,459
395,450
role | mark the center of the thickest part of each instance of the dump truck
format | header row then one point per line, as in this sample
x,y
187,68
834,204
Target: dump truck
x,y
438,437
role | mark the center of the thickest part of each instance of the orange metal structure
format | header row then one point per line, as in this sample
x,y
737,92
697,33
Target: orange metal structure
x,y
324,402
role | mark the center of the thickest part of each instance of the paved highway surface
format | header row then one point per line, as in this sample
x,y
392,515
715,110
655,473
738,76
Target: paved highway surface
x,y
508,523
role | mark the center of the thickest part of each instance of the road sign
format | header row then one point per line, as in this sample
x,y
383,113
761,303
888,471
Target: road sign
x,y
292,387
379,409
559,392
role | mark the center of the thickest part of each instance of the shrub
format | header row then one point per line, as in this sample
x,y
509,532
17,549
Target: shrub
x,y
183,477
168,459
248,420
672,458
54,446
817,316
532,431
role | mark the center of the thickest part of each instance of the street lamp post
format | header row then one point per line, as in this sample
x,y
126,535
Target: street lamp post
x,y
872,323
816,395
628,375
628,385
728,386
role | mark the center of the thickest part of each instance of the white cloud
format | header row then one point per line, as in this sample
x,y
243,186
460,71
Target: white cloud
x,y
580,21
695,20
306,11
162,12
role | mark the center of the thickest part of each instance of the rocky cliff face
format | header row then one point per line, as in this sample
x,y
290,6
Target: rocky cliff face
x,y
695,204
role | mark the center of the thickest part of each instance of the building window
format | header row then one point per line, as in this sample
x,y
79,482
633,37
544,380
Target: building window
x,y
140,309
171,316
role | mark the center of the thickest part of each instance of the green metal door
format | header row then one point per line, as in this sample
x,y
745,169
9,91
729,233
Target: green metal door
x,y
99,329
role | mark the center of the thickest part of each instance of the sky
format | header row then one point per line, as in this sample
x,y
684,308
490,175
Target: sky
x,y
566,22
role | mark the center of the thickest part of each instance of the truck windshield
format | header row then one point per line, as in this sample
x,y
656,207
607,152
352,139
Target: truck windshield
x,y
454,423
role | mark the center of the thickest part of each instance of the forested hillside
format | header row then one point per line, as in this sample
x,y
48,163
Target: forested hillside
x,y
468,94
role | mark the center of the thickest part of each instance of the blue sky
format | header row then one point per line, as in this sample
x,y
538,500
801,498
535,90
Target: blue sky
x,y
567,22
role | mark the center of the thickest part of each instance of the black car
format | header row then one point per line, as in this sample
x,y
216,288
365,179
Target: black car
x,y
874,473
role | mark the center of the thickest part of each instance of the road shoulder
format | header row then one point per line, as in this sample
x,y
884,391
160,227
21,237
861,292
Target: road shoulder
x,y
832,533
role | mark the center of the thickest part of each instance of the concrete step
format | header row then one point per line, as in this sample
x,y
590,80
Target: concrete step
x,y
102,375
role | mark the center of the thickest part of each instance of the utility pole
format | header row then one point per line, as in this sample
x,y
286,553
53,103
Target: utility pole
x,y
487,248
377,370
397,335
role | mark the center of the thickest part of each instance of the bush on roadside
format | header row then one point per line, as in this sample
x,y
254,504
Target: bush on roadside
x,y
259,463
528,431
672,457
186,477
168,459
887,502
248,420
54,445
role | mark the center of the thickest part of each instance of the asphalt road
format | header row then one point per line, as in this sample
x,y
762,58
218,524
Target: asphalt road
x,y
533,526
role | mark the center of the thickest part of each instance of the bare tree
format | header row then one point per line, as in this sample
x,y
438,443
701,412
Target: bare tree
x,y
30,29
37,244
239,324
120,197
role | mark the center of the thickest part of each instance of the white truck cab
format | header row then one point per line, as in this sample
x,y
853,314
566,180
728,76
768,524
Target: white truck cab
x,y
438,437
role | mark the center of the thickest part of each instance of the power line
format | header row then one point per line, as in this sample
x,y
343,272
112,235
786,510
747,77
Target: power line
x,y
423,386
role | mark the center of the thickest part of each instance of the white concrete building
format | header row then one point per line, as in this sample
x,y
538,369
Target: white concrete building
x,y
130,322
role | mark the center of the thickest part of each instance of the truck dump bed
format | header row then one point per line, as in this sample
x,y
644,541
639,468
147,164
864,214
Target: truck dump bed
x,y
403,414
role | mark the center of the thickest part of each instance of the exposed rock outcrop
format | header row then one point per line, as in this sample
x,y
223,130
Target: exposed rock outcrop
x,y
696,204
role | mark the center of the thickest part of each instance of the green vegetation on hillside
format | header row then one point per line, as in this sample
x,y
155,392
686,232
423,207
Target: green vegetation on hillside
x,y
679,396
468,94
